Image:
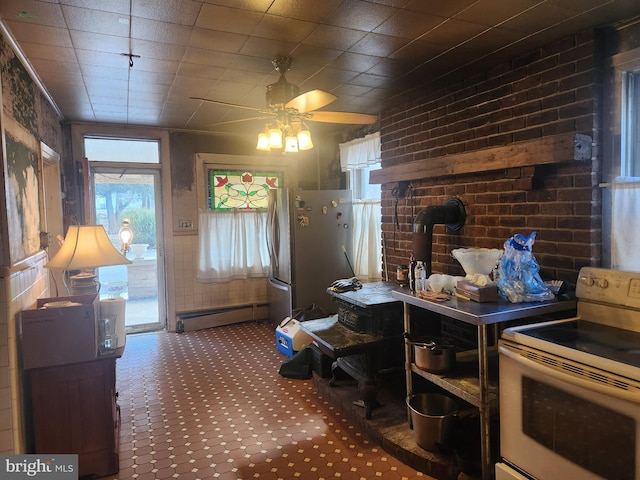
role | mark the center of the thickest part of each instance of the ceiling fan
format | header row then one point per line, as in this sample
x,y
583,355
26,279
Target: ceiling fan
x,y
287,110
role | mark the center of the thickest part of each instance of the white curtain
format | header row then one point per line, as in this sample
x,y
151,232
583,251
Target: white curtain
x,y
367,239
360,153
357,157
625,225
231,246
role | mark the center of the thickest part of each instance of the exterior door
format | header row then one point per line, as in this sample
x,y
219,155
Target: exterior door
x,y
133,194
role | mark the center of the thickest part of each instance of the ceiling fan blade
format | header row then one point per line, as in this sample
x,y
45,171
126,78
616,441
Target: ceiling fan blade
x,y
262,117
342,117
311,100
234,105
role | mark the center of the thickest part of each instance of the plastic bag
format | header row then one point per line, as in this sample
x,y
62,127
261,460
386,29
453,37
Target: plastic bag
x,y
517,274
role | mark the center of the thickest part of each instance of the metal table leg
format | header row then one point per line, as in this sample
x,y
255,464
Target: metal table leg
x,y
485,413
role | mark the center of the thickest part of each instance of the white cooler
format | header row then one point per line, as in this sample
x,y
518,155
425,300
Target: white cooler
x,y
290,338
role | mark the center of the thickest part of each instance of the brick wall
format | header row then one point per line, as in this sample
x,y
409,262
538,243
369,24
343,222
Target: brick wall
x,y
552,90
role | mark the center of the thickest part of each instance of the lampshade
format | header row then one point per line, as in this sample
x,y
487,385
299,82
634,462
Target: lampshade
x,y
275,138
304,140
263,142
86,246
290,144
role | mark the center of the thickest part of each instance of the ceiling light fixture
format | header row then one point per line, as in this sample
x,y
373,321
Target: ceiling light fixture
x,y
289,134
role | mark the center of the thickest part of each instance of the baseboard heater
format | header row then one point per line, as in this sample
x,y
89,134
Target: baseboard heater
x,y
201,319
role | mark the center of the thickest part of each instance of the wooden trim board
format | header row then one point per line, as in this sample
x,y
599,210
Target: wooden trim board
x,y
546,150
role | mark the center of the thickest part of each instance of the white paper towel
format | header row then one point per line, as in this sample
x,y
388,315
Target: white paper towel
x,y
115,307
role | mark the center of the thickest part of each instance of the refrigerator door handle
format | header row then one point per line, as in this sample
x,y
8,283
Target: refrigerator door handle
x,y
274,236
279,285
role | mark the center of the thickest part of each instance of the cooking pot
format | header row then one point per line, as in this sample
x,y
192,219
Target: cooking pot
x,y
435,355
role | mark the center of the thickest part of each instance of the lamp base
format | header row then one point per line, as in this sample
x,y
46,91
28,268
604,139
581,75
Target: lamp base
x,y
83,284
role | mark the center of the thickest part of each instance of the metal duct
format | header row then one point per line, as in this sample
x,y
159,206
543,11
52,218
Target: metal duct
x,y
452,214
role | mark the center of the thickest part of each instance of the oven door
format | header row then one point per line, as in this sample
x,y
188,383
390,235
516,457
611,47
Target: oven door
x,y
560,419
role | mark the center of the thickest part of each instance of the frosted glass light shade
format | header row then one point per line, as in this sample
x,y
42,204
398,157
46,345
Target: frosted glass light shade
x,y
86,246
275,138
291,144
304,140
263,142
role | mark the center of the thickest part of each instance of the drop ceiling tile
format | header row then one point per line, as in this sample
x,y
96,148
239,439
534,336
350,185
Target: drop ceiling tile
x,y
89,58
212,58
285,29
266,48
42,51
228,19
241,76
167,11
378,45
255,5
345,90
200,71
360,15
445,9
419,51
489,12
96,21
157,50
259,66
155,65
46,66
453,33
370,80
538,18
28,32
99,42
216,40
163,32
185,87
115,6
337,38
311,10
150,93
139,77
33,12
408,24
355,62
332,76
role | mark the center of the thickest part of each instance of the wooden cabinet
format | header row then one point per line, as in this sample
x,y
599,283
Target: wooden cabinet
x,y
75,410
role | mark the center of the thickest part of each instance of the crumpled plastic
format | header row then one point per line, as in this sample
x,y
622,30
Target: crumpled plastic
x,y
517,275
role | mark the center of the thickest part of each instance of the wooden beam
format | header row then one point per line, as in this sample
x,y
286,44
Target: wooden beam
x,y
555,149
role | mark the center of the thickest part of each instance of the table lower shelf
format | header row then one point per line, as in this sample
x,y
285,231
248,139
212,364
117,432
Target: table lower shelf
x,y
463,380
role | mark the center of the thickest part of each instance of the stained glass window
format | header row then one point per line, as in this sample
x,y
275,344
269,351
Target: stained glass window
x,y
240,189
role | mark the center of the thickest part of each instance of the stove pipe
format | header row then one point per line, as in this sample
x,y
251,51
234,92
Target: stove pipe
x,y
452,214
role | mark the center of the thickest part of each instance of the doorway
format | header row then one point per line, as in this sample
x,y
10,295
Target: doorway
x,y
133,193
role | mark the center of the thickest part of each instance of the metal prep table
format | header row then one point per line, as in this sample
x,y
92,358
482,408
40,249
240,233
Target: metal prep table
x,y
475,391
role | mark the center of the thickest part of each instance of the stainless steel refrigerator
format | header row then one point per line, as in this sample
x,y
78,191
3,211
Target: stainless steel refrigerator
x,y
308,233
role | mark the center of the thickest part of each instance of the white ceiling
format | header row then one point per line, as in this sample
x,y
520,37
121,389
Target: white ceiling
x,y
365,52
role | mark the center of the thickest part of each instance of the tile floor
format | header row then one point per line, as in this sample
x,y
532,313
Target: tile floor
x,y
210,404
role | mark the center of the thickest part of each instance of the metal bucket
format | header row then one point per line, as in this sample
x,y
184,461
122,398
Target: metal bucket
x,y
432,417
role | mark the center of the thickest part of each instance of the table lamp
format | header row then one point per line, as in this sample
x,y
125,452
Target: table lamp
x,y
85,248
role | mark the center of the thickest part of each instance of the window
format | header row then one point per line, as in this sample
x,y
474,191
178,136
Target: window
x,y
121,150
621,195
359,157
233,195
230,189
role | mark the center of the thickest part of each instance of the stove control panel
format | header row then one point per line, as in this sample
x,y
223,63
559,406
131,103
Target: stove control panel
x,y
614,287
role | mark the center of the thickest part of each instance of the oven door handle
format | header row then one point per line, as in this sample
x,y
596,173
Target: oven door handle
x,y
633,394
